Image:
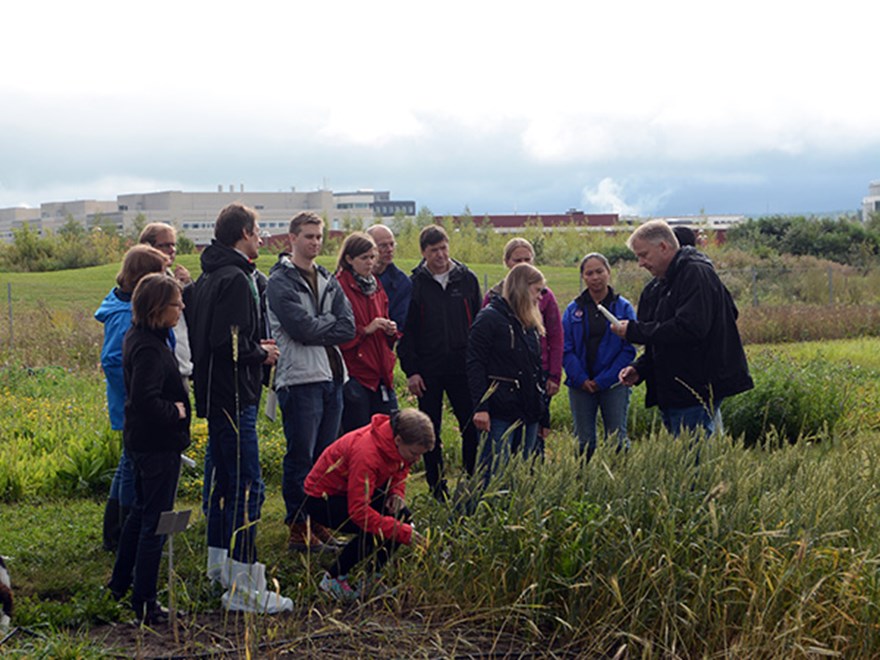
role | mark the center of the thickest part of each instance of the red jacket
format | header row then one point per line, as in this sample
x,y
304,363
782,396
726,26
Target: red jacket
x,y
369,358
357,464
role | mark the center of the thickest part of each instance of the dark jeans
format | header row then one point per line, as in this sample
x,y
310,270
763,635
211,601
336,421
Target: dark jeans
x,y
140,548
332,512
311,414
431,403
361,403
238,491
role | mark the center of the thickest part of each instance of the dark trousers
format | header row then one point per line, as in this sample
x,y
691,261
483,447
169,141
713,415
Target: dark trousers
x,y
140,549
332,512
360,404
431,403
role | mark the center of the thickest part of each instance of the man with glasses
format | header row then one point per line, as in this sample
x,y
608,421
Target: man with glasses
x,y
163,237
396,283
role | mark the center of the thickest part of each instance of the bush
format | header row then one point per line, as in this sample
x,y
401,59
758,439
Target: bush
x,y
791,400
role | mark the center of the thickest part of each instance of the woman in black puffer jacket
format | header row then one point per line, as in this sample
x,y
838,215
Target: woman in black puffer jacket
x,y
504,368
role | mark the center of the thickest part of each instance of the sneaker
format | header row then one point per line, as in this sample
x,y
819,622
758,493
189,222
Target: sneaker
x,y
325,536
338,588
300,539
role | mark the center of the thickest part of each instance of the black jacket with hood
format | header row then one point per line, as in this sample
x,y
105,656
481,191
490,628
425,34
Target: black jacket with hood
x,y
687,321
230,293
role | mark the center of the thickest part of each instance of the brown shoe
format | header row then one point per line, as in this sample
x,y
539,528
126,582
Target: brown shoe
x,y
301,540
325,536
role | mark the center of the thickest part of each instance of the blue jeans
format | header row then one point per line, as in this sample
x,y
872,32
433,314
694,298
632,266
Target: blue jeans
x,y
361,403
311,414
497,448
122,486
585,407
140,548
692,418
238,490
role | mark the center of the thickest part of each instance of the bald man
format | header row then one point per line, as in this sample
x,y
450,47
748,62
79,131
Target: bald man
x,y
396,283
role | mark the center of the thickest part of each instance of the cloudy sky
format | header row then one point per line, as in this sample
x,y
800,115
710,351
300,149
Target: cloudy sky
x,y
643,107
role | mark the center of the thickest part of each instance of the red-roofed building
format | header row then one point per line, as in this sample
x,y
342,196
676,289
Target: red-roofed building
x,y
510,222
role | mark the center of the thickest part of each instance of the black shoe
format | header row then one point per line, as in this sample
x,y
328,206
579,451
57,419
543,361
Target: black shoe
x,y
152,614
115,593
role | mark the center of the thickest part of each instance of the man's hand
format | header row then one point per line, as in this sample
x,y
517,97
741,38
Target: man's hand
x,y
395,504
628,376
590,386
416,385
182,275
619,329
552,386
272,352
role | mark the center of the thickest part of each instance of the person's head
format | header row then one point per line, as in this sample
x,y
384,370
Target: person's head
x,y
385,245
161,236
434,244
596,273
140,260
306,235
157,302
357,254
237,227
518,251
413,434
654,244
522,290
685,236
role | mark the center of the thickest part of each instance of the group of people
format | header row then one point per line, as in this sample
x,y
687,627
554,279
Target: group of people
x,y
326,344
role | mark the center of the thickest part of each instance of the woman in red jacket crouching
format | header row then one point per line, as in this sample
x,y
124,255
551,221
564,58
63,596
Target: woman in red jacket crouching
x,y
358,487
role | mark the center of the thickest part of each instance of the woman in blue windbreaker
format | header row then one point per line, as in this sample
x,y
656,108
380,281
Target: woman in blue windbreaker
x,y
592,357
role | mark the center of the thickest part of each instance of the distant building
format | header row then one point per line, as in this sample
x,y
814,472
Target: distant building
x,y
510,223
194,213
871,203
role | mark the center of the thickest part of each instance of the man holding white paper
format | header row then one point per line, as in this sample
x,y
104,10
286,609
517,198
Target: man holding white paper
x,y
693,355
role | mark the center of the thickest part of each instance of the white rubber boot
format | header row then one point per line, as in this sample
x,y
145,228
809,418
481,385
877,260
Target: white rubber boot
x,y
218,569
247,591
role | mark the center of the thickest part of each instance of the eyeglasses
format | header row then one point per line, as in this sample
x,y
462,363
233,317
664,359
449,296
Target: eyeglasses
x,y
165,246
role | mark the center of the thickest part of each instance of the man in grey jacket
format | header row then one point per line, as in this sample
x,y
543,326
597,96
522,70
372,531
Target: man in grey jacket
x,y
310,316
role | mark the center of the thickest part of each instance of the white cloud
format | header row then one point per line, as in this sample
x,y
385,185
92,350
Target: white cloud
x,y
608,196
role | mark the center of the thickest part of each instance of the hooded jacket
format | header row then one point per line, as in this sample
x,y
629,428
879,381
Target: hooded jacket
x,y
613,354
398,288
115,313
687,321
152,378
369,358
228,297
355,466
504,353
438,322
302,329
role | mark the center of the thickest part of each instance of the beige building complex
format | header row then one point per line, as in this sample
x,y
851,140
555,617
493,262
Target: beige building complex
x,y
194,213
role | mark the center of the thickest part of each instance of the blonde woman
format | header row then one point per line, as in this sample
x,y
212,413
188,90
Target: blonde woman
x,y
504,360
520,251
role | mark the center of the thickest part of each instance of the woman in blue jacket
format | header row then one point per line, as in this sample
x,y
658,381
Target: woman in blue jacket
x,y
592,356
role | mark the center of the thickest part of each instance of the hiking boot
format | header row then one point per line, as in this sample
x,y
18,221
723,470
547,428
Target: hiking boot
x,y
303,539
151,614
325,536
338,588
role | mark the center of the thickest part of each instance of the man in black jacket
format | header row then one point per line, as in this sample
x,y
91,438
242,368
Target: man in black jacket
x,y
226,316
445,299
693,355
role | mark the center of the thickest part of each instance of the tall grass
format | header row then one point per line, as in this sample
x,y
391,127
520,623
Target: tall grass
x,y
754,553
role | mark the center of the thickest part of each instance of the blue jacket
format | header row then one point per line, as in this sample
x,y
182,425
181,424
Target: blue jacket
x,y
613,355
398,287
115,313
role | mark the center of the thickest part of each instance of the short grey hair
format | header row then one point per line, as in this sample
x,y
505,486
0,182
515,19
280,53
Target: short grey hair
x,y
655,232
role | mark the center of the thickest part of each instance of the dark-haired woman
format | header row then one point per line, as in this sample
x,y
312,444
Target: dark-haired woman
x,y
368,357
156,430
593,357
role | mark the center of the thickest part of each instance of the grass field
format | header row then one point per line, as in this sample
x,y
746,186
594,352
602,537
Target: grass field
x,y
767,552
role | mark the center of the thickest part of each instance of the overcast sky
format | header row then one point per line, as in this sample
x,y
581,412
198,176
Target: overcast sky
x,y
644,107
